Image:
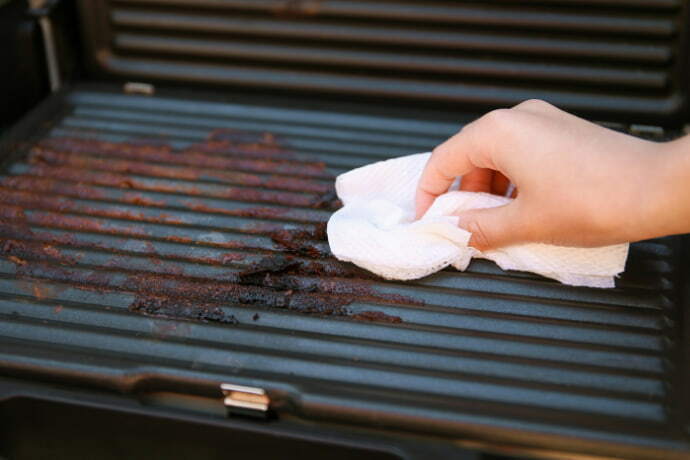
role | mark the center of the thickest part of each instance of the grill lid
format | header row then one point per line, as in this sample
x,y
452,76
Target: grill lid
x,y
613,60
104,241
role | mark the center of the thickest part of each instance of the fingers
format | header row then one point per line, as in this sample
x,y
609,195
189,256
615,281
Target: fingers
x,y
493,227
485,180
423,202
485,143
499,184
477,180
449,160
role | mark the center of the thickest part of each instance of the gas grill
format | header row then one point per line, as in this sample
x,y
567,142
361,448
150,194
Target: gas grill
x,y
166,287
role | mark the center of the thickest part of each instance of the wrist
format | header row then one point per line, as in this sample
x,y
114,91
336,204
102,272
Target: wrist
x,y
667,200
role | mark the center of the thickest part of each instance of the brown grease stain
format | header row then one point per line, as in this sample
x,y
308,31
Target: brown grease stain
x,y
62,169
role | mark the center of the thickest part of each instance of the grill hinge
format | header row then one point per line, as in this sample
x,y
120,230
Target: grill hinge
x,y
243,400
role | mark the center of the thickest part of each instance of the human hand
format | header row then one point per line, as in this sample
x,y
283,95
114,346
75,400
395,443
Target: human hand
x,y
578,184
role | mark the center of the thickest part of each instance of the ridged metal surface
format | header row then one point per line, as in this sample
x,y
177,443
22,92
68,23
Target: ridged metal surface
x,y
613,58
473,351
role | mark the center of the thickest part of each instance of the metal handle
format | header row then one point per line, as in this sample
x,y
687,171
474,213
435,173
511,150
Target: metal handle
x,y
41,9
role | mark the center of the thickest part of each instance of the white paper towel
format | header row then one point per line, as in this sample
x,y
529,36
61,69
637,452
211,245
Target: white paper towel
x,y
375,229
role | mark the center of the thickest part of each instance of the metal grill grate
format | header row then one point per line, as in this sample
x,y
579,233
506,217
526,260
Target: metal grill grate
x,y
615,59
96,232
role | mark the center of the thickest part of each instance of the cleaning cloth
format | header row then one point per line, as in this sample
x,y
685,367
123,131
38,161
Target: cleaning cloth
x,y
375,229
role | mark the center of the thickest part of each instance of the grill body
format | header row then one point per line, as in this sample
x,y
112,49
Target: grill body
x,y
154,247
121,209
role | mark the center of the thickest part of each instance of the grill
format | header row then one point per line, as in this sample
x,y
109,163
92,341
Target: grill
x,y
129,213
610,59
155,247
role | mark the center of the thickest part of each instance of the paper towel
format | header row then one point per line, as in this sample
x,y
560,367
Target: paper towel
x,y
375,229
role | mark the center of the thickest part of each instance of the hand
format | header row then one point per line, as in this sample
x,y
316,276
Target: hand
x,y
578,184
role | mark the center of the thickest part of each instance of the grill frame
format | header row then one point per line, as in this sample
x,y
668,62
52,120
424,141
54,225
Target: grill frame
x,y
50,366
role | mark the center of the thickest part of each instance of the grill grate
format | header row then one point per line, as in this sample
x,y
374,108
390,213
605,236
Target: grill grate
x,y
96,231
612,59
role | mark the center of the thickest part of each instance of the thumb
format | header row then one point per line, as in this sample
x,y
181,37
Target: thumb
x,y
491,227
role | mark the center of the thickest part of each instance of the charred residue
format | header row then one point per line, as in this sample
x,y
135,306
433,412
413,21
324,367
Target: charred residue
x,y
114,171
275,292
326,201
108,188
303,242
20,252
166,307
377,316
233,159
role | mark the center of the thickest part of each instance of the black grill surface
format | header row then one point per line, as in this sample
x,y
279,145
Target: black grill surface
x,y
624,59
167,242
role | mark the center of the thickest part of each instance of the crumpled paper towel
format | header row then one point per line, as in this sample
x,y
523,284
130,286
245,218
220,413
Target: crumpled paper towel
x,y
375,229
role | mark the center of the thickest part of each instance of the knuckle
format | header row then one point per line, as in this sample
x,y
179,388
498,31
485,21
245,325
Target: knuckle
x,y
499,119
438,150
537,104
494,129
